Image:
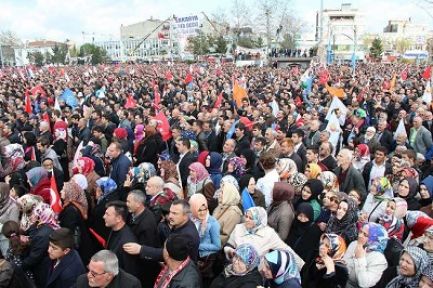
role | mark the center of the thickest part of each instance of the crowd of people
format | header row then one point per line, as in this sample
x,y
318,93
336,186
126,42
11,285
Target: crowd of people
x,y
169,175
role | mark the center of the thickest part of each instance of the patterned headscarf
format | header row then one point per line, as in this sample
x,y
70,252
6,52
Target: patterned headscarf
x,y
201,172
35,175
283,266
338,246
400,208
248,255
13,151
377,237
229,179
238,165
329,181
74,194
27,203
383,188
43,214
418,222
286,167
259,217
86,164
315,170
81,180
421,261
298,180
143,172
107,186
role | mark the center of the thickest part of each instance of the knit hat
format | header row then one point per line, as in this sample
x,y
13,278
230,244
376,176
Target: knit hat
x,y
178,247
120,133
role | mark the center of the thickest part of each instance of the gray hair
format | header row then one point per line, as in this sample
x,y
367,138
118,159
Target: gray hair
x,y
158,181
138,196
185,205
111,263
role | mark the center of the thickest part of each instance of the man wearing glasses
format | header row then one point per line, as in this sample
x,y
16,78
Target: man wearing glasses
x,y
104,272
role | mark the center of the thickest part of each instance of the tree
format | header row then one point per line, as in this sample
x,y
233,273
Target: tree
x,y
8,41
59,54
73,52
99,55
376,48
221,45
199,45
403,44
288,42
259,42
37,58
48,57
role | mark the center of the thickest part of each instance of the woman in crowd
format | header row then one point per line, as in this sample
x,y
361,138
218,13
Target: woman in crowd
x,y
9,211
242,271
286,168
266,183
200,182
312,171
168,172
377,199
365,258
86,166
361,157
255,231
12,159
310,193
209,232
279,269
227,212
407,189
343,222
328,269
329,181
213,165
251,197
413,261
29,146
148,147
392,219
305,233
39,183
250,166
236,167
281,212
60,146
426,191
94,152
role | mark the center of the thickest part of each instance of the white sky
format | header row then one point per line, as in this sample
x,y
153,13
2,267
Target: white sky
x,y
61,19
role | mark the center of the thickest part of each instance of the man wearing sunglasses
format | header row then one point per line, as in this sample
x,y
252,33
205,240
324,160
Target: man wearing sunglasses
x,y
104,271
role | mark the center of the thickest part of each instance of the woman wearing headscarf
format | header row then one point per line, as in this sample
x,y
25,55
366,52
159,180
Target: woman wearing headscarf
x,y
392,219
42,223
281,212
407,189
74,217
138,136
251,197
39,183
200,182
209,232
251,166
361,157
227,212
94,152
27,203
168,172
413,261
202,157
310,193
138,177
242,271
375,204
12,160
280,270
426,191
255,231
343,222
286,168
106,191
213,165
304,234
365,258
86,166
9,211
236,167
312,171
417,222
427,242
148,147
328,269
60,146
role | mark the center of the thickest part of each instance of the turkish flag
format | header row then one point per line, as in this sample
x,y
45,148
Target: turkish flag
x,y
168,75
38,89
163,125
55,203
427,73
403,74
188,78
218,101
28,107
130,102
157,96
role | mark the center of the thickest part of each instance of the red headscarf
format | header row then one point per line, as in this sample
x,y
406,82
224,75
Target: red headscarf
x,y
201,171
86,164
120,133
363,150
202,157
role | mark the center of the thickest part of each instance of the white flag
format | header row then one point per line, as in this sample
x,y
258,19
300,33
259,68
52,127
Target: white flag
x,y
337,104
57,105
275,108
400,129
334,129
427,97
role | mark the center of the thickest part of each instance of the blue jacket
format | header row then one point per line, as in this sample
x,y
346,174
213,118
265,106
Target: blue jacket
x,y
119,169
210,241
67,271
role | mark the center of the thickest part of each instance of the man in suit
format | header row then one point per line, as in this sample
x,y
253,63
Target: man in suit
x,y
115,218
144,227
300,149
67,264
383,135
186,158
348,177
420,138
313,137
378,167
104,271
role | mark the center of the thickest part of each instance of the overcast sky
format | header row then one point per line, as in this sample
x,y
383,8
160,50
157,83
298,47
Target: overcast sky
x,y
60,19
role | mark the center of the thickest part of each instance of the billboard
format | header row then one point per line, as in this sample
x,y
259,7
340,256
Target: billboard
x,y
184,27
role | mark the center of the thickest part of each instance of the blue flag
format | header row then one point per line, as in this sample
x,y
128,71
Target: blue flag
x,y
69,98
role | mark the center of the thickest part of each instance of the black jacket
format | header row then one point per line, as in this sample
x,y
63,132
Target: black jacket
x,y
250,280
189,277
189,229
66,272
122,280
147,151
115,241
367,170
386,140
187,160
352,181
37,260
314,278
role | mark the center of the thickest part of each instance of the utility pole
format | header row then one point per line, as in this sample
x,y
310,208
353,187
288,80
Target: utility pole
x,y
268,27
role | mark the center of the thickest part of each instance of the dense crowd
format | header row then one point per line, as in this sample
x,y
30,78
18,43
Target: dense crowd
x,y
175,175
